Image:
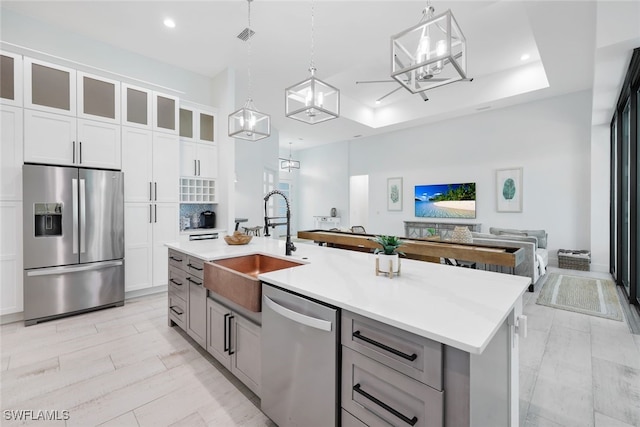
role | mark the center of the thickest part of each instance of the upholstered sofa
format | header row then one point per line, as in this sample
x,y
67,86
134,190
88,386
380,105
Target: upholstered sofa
x,y
534,243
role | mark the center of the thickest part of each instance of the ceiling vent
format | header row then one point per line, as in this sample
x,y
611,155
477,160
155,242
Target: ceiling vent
x,y
246,34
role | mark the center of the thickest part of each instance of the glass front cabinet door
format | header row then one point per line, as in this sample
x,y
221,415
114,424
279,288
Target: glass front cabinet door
x,y
10,79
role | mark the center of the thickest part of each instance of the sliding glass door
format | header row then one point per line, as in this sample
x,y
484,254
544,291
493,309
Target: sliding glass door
x,y
625,212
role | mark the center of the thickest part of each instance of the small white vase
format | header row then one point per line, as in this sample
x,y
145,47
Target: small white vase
x,y
383,263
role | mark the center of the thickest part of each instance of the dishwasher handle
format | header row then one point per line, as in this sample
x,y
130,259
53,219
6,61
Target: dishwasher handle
x,y
312,322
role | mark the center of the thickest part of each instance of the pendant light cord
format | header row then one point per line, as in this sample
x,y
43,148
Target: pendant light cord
x,y
312,66
249,88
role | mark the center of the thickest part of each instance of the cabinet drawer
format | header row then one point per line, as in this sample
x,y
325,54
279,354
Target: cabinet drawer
x,y
349,420
378,395
178,283
178,310
177,259
195,267
415,356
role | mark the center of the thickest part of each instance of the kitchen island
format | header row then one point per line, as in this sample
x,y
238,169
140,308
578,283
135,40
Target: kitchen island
x,y
470,314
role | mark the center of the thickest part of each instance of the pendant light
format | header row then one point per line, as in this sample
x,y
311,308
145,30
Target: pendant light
x,y
288,164
430,54
248,123
312,100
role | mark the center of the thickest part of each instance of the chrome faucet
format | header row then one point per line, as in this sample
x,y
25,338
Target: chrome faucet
x,y
289,247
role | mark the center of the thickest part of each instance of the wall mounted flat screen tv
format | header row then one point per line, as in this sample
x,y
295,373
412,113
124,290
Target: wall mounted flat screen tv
x,y
445,200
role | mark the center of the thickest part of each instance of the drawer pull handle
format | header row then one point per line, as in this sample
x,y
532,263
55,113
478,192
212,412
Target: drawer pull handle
x,y
225,345
410,421
194,267
189,279
173,308
175,282
229,331
175,259
411,357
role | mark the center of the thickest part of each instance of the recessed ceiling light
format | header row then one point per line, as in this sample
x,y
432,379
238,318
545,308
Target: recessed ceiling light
x,y
168,22
377,102
524,57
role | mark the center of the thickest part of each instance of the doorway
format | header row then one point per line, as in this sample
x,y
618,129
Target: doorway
x,y
359,201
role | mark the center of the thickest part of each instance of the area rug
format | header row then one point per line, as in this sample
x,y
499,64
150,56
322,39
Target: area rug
x,y
587,295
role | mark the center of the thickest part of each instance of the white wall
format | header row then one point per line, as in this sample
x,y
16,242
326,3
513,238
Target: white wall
x,y
324,183
549,139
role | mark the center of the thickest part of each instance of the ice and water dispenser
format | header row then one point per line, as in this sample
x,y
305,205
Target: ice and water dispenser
x,y
48,219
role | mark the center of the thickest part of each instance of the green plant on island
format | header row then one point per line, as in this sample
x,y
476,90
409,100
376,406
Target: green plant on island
x,y
389,244
461,192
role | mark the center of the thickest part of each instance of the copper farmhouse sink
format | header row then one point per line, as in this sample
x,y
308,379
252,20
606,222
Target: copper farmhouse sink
x,y
237,278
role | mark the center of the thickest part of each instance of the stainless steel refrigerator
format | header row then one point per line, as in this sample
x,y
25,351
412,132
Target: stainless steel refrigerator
x,y
73,240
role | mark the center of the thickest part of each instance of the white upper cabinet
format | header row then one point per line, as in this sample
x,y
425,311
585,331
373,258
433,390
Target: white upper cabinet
x,y
137,106
50,138
98,98
10,79
165,113
197,124
49,87
99,144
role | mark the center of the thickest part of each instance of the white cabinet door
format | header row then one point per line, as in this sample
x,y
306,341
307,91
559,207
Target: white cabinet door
x,y
138,242
165,230
137,107
188,158
11,299
137,146
98,144
49,138
208,160
11,87
166,167
10,153
49,87
165,113
98,98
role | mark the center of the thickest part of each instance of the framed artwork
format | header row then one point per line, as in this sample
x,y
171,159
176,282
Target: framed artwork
x,y
394,194
509,190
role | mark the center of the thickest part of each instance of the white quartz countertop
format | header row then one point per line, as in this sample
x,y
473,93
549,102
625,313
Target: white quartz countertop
x,y
459,307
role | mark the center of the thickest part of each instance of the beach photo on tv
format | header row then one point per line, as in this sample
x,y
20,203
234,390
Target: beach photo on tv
x,y
445,200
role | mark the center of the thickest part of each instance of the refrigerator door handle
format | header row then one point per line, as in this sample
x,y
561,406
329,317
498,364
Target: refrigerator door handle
x,y
83,215
74,195
312,322
155,186
64,270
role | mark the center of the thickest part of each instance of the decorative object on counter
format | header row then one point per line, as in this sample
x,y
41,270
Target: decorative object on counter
x,y
312,100
394,194
185,222
238,238
195,220
248,123
461,235
334,212
288,164
388,259
509,190
429,54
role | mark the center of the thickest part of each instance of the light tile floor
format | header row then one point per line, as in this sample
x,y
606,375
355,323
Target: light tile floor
x,y
126,367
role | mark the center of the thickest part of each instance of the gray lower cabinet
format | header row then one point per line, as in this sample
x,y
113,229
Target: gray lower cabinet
x,y
197,311
188,296
389,376
235,342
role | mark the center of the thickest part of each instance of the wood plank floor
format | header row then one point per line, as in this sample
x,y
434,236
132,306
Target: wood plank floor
x,y
125,367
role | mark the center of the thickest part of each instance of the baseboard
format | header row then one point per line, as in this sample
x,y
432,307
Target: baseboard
x,y
10,318
145,292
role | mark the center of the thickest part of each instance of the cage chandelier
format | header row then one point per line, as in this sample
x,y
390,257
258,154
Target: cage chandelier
x,y
429,54
312,100
288,164
248,123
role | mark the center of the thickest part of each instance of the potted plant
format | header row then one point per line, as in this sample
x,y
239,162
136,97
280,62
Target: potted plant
x,y
388,253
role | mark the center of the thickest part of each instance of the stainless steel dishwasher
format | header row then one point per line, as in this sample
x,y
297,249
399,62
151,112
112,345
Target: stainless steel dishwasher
x,y
299,360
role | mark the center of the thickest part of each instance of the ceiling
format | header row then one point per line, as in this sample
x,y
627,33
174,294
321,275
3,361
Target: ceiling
x,y
351,44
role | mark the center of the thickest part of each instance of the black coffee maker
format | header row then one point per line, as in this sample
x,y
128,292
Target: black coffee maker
x,y
208,219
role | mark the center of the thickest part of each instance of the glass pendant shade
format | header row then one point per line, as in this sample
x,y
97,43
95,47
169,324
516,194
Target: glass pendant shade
x,y
312,101
249,124
430,54
288,164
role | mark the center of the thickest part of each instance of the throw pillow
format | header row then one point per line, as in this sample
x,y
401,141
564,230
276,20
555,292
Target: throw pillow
x,y
461,235
512,233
